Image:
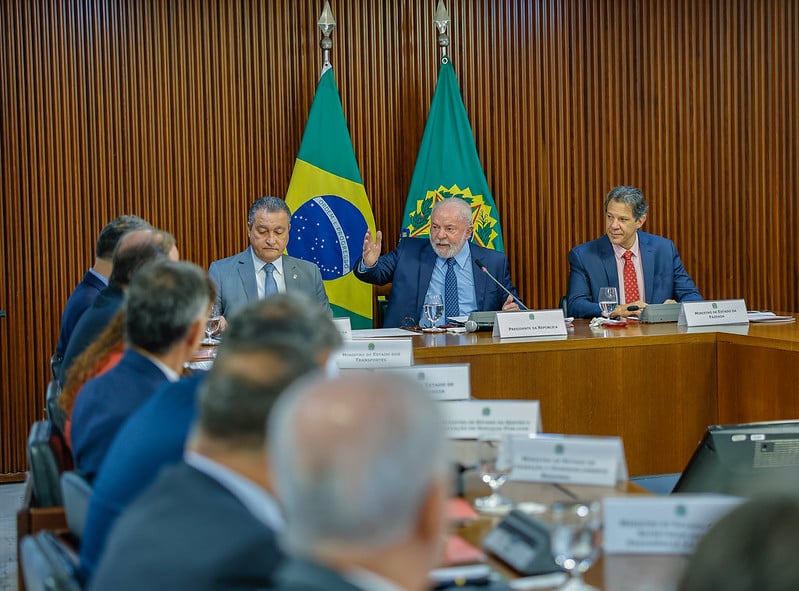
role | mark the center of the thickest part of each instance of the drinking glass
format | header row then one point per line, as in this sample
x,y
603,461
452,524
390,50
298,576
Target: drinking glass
x,y
608,300
212,326
433,310
575,539
495,458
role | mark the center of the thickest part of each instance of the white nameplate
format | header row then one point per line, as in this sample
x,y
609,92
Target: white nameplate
x,y
567,459
343,327
530,323
469,419
444,382
661,525
364,353
713,313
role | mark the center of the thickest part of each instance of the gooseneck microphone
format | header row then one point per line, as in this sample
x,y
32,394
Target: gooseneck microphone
x,y
494,279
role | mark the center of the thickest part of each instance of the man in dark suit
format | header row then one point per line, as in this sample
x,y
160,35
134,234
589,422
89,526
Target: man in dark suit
x,y
94,281
210,521
263,269
155,435
419,267
643,267
136,248
166,311
363,482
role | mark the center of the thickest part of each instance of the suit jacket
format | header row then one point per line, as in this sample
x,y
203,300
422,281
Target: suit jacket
x,y
153,437
105,402
187,531
91,324
409,268
592,265
299,574
235,281
79,301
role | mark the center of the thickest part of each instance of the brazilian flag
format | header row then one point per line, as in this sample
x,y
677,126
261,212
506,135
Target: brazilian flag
x,y
448,166
331,210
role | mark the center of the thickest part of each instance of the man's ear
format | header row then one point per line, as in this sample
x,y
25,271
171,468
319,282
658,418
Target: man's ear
x,y
641,221
195,333
431,520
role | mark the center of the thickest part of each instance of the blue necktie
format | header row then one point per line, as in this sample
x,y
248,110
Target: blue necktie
x,y
451,307
270,286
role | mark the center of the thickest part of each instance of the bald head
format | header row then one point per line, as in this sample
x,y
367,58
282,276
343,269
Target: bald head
x,y
136,249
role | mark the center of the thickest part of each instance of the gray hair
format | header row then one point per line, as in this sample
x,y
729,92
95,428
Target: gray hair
x,y
355,456
162,302
268,344
464,209
629,196
268,204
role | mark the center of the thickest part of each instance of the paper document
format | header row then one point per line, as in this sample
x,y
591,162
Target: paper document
x,y
377,333
768,317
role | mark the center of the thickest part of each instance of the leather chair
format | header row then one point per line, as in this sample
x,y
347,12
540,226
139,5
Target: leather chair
x,y
54,412
48,564
77,493
48,457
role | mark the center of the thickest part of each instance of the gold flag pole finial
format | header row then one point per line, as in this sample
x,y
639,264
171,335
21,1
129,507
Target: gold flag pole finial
x,y
441,19
326,24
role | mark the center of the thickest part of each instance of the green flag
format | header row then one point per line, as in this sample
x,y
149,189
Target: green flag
x,y
448,166
331,210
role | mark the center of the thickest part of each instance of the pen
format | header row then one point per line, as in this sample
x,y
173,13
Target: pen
x,y
632,308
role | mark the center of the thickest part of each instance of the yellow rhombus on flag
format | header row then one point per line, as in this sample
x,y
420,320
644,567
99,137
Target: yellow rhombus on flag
x,y
331,210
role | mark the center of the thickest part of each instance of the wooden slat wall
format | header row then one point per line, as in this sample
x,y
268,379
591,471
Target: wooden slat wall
x,y
183,112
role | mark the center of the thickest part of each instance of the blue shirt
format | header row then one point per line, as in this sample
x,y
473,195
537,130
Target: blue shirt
x,y
467,300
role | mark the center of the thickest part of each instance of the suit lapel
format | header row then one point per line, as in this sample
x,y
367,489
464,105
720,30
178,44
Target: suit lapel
x,y
290,274
480,278
247,274
609,264
648,263
428,261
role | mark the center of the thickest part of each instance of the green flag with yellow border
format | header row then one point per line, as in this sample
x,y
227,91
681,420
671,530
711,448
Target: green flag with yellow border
x,y
448,166
331,210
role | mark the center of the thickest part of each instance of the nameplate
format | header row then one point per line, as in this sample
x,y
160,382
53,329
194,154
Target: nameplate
x,y
470,419
343,327
661,525
566,459
530,323
444,382
364,353
713,313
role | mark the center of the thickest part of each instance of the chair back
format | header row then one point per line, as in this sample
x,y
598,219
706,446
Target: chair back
x,y
54,412
77,493
48,457
47,564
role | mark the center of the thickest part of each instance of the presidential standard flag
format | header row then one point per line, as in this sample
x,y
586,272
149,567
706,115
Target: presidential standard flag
x,y
448,166
331,210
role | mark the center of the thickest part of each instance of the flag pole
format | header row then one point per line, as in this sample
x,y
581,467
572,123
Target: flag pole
x,y
441,19
326,24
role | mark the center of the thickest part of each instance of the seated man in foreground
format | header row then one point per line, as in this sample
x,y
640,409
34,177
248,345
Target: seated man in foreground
x,y
643,267
363,483
446,264
210,521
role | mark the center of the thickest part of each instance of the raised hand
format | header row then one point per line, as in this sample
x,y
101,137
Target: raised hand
x,y
372,247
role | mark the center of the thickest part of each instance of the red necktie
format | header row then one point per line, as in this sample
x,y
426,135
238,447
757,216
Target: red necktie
x,y
630,279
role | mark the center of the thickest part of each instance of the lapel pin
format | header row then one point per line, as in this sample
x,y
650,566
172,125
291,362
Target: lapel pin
x,y
295,276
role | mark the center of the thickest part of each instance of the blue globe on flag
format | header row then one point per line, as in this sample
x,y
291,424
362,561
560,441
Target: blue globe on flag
x,y
328,230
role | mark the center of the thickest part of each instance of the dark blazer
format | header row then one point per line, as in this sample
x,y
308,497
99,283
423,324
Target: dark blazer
x,y
105,402
409,268
79,301
153,437
592,265
298,574
91,324
235,281
187,531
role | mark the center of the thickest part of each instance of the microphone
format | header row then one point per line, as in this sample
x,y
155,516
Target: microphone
x,y
479,263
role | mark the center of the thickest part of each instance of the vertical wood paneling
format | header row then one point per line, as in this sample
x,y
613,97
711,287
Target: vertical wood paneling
x,y
184,112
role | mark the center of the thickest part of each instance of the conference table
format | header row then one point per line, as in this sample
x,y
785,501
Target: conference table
x,y
658,386
612,572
